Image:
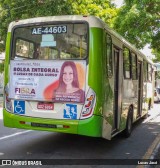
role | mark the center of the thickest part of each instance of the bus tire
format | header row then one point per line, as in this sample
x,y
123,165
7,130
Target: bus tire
x,y
145,116
128,129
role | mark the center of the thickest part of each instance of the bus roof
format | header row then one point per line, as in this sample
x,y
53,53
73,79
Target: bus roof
x,y
92,20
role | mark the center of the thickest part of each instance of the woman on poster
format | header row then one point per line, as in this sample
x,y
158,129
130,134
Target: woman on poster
x,y
68,89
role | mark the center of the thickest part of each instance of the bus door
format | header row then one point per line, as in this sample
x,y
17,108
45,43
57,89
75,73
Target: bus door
x,y
117,98
140,89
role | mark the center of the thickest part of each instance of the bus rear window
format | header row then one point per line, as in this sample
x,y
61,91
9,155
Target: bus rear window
x,y
24,48
60,41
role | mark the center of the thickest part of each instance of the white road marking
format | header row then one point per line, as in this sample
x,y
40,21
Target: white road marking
x,y
12,135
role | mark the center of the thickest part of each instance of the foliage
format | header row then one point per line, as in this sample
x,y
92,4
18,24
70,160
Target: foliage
x,y
11,10
139,22
157,54
100,8
1,67
21,9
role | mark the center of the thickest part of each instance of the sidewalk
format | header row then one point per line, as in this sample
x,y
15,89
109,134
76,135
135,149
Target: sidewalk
x,y
155,147
157,155
156,151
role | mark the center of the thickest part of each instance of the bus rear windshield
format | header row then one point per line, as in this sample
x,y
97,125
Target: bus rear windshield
x,y
54,41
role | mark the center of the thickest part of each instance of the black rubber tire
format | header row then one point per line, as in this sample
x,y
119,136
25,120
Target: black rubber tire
x,y
145,116
128,129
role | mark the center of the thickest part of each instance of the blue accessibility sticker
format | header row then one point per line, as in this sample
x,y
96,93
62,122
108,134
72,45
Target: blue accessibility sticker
x,y
70,111
19,107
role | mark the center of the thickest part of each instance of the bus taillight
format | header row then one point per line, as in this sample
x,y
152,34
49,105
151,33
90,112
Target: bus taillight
x,y
8,103
89,105
66,126
22,122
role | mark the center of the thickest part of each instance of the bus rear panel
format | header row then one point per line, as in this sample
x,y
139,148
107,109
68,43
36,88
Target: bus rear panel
x,y
48,87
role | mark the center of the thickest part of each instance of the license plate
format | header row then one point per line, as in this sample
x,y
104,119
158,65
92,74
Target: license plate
x,y
45,106
43,125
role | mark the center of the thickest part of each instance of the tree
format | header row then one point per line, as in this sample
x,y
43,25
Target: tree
x,y
100,8
11,10
157,54
139,22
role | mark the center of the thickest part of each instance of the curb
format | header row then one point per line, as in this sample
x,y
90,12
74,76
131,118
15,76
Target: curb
x,y
155,152
152,153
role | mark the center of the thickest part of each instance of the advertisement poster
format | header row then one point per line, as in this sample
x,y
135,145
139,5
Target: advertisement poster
x,y
46,80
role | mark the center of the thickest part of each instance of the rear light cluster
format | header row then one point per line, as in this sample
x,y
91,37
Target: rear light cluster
x,y
88,108
8,103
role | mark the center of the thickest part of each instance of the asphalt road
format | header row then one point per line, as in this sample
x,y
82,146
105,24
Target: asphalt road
x,y
26,144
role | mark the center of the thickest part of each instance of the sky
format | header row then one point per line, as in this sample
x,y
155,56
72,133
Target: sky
x,y
118,2
147,51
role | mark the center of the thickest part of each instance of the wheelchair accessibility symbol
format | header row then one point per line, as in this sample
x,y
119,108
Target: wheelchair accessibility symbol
x,y
19,107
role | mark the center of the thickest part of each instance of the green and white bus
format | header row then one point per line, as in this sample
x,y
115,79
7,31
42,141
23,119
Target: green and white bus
x,y
74,74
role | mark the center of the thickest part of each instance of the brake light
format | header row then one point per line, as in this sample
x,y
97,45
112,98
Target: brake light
x,y
8,103
66,126
22,122
88,108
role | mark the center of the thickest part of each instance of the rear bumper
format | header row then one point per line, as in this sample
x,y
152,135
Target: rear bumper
x,y
89,127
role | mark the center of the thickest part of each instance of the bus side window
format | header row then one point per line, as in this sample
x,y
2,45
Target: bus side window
x,y
149,73
134,66
109,68
145,75
126,63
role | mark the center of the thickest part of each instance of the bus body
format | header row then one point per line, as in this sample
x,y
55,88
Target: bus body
x,y
114,78
157,75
